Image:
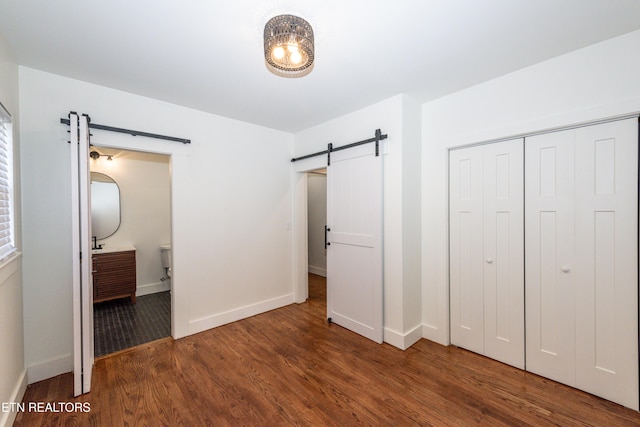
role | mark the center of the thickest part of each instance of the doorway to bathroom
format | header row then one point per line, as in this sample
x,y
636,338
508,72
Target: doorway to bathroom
x,y
132,257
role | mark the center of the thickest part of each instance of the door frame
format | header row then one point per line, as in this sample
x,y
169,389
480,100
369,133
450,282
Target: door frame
x,y
170,156
177,330
300,238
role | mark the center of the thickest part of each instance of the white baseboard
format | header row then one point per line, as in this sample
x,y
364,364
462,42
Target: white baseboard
x,y
317,270
49,368
215,320
153,288
7,418
400,340
434,334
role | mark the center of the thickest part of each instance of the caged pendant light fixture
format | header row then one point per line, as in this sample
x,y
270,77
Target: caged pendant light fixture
x,y
288,46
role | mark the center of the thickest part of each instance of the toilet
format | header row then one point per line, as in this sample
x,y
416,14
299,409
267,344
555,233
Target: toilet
x,y
165,255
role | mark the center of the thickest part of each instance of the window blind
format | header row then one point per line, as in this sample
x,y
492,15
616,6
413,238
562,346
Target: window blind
x,y
7,243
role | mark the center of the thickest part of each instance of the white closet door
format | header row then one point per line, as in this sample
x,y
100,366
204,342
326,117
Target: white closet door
x,y
581,227
504,252
606,256
549,248
466,248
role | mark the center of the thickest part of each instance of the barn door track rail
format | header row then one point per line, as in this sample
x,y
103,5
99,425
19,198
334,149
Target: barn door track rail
x,y
330,148
131,132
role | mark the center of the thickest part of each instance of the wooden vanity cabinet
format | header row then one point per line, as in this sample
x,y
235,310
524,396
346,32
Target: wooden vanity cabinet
x,y
114,275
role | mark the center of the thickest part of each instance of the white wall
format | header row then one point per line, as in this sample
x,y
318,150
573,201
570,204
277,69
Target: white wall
x,y
230,210
398,117
12,369
317,209
595,82
411,218
144,181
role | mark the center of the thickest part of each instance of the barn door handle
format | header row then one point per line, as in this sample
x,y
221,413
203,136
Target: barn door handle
x,y
326,243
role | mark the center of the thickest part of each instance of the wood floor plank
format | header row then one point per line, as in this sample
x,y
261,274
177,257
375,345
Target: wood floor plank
x,y
290,367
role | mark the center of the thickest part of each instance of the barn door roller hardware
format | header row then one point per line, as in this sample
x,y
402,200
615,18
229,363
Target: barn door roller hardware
x,y
132,132
330,148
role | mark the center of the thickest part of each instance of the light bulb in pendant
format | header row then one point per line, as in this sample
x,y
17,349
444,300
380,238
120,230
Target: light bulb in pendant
x,y
278,52
295,57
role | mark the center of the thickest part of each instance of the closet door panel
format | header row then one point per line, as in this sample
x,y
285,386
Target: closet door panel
x,y
466,260
504,252
549,237
606,275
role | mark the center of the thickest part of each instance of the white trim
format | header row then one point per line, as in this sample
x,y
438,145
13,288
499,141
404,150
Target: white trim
x,y
50,368
299,214
433,333
320,271
4,110
300,238
7,187
9,267
153,288
403,341
179,201
215,320
550,130
7,418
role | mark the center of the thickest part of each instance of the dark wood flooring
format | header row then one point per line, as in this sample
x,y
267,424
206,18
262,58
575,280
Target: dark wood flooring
x,y
289,367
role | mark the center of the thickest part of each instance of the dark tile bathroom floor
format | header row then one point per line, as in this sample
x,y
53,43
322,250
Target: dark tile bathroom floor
x,y
119,324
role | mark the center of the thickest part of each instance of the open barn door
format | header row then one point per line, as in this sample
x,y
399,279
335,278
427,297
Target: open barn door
x,y
81,254
354,239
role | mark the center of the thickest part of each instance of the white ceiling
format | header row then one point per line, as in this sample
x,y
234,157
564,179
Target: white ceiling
x,y
207,54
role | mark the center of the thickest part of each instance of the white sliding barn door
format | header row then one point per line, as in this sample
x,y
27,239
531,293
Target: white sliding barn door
x,y
582,260
354,254
466,248
486,250
81,255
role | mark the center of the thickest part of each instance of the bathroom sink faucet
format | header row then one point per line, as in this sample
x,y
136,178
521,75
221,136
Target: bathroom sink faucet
x,y
95,243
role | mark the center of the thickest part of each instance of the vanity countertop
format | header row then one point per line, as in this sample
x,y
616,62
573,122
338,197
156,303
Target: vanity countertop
x,y
107,249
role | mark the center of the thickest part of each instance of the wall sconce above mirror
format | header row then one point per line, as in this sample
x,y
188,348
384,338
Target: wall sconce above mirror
x,y
95,155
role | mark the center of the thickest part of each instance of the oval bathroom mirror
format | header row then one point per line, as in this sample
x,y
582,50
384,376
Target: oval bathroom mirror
x,y
105,206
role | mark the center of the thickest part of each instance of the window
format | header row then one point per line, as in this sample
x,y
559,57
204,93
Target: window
x,y
7,243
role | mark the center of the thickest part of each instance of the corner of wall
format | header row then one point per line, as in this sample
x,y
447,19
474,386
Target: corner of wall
x,y
7,418
403,340
49,368
412,209
13,376
435,334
